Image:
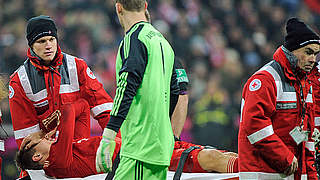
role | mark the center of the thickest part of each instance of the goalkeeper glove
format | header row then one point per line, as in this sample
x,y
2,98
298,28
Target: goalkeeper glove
x,y
105,151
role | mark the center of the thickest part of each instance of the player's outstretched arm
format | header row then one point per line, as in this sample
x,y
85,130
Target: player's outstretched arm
x,y
105,151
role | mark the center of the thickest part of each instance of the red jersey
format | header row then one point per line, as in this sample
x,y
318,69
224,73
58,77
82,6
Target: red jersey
x,y
71,157
77,160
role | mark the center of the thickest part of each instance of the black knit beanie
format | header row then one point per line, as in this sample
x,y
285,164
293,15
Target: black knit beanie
x,y
299,35
40,26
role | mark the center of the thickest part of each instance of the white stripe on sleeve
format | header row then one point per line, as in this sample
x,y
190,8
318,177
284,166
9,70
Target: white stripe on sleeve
x,y
261,134
101,108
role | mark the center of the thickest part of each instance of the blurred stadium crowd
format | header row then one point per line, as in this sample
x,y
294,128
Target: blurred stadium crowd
x,y
220,42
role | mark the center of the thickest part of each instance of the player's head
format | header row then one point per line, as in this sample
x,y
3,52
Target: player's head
x,y
42,37
33,156
123,7
303,42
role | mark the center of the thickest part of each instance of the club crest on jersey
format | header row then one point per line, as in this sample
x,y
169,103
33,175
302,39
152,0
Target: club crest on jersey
x,y
90,73
255,85
11,92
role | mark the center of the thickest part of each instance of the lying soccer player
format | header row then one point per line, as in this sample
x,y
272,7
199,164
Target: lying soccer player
x,y
64,157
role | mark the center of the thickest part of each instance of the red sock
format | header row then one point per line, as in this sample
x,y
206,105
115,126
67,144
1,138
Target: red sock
x,y
232,166
235,166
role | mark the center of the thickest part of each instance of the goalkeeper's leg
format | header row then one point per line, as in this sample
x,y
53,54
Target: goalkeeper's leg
x,y
129,169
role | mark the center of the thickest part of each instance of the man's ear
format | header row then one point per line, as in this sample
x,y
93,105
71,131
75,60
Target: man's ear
x,y
145,5
36,157
119,8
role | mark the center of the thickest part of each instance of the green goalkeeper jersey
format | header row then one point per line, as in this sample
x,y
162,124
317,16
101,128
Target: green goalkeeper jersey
x,y
145,77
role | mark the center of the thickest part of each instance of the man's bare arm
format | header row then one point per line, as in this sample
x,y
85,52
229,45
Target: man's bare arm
x,y
179,115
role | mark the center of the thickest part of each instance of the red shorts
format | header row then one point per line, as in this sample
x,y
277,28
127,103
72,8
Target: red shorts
x,y
192,164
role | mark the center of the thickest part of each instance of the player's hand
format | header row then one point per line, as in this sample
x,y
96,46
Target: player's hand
x,y
105,151
32,139
51,122
292,168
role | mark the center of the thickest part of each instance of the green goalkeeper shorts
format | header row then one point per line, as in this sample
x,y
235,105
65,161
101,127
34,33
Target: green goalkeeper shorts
x,y
132,169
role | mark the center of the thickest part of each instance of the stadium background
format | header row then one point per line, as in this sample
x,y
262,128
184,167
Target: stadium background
x,y
221,43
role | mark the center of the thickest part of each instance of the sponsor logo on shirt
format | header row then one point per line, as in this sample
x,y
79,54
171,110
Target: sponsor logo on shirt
x,y
255,85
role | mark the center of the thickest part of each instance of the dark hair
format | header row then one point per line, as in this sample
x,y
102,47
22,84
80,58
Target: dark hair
x,y
24,159
132,5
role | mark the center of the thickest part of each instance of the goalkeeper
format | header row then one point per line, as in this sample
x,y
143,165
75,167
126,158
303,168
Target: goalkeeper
x,y
145,73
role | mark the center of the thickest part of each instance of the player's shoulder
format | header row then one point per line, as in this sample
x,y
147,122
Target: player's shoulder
x,y
260,80
262,76
267,72
80,62
147,33
14,75
71,57
20,69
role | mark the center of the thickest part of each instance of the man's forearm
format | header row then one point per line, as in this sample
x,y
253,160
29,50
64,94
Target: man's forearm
x,y
179,115
32,138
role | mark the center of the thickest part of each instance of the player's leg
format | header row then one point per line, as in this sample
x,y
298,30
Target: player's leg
x,y
151,171
129,169
203,159
82,121
213,160
191,164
